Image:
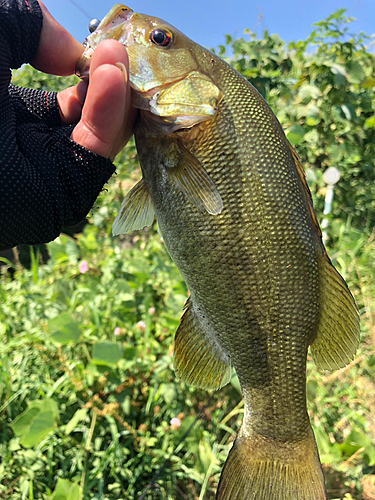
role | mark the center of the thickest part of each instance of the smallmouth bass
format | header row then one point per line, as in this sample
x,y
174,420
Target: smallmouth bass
x,y
236,215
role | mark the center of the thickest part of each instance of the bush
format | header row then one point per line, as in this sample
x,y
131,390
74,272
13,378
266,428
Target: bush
x,y
322,91
90,407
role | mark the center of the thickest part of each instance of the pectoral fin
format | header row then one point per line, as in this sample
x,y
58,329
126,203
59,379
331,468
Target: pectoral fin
x,y
339,330
136,211
195,183
198,359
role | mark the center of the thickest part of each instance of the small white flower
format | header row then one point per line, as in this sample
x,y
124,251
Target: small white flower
x,y
175,423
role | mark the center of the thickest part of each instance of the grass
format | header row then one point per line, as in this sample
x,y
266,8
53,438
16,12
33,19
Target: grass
x,y
116,393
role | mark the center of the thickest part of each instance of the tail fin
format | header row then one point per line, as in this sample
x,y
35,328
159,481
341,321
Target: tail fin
x,y
264,469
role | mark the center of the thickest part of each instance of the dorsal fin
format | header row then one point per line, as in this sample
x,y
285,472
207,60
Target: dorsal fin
x,y
338,334
302,177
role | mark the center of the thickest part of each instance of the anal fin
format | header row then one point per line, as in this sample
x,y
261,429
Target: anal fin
x,y
198,359
338,333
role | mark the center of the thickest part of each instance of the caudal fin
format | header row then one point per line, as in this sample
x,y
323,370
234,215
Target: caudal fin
x,y
264,469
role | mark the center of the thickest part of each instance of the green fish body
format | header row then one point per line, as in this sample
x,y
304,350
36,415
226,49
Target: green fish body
x,y
236,215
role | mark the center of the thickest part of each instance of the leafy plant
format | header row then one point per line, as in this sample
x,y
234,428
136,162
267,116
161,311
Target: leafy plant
x,y
322,91
90,406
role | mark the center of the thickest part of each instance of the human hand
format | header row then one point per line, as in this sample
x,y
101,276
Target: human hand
x,y
107,118
103,108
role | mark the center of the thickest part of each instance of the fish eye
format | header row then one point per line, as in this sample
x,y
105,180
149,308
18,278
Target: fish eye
x,y
161,37
93,25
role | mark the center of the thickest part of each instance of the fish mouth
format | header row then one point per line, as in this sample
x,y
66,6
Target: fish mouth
x,y
117,24
130,29
114,25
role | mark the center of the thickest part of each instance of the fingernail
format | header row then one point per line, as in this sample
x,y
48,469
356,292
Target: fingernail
x,y
122,68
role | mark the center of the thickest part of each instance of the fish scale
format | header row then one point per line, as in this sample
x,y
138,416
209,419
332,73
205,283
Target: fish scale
x,y
236,215
227,296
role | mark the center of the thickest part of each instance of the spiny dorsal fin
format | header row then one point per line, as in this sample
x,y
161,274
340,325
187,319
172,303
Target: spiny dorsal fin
x,y
302,176
195,183
338,333
136,211
198,359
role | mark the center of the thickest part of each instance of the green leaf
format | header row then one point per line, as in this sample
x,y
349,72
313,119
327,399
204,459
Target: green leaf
x,y
106,353
57,251
130,353
356,73
22,423
329,452
348,111
369,82
370,452
308,92
36,422
228,39
313,111
236,383
370,122
40,427
339,80
206,457
295,134
71,250
64,330
77,417
63,249
168,391
337,69
65,490
340,75
89,239
355,441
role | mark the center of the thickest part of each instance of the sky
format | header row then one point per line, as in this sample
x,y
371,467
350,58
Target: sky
x,y
207,21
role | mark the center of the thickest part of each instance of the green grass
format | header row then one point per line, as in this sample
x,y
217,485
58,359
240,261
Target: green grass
x,y
116,394
87,388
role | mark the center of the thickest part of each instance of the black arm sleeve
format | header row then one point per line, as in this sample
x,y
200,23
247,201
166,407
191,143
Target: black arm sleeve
x,y
47,181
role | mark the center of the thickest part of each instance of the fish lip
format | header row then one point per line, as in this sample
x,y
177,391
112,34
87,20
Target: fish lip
x,y
82,68
121,23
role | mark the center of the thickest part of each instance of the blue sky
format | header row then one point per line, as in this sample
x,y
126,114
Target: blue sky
x,y
207,21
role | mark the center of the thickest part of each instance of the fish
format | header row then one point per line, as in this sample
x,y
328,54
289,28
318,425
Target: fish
x,y
235,212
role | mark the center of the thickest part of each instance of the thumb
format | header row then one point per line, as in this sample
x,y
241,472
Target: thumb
x,y
107,102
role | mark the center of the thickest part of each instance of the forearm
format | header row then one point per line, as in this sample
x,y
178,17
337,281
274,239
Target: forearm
x,y
35,203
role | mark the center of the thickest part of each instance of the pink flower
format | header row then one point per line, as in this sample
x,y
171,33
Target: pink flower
x,y
175,423
117,331
83,266
141,326
151,311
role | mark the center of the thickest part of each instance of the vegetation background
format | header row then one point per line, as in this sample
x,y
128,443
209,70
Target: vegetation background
x,y
90,407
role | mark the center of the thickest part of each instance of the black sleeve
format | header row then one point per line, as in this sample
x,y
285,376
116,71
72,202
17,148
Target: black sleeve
x,y
47,181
